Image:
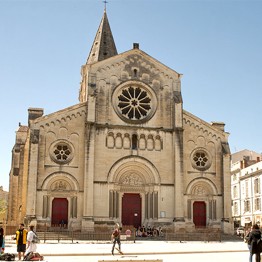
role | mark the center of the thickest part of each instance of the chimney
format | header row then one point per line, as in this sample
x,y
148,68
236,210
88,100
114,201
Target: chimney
x,y
135,45
244,163
34,113
219,125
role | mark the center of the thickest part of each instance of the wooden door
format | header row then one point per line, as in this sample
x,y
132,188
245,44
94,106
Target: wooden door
x,y
59,211
131,209
199,213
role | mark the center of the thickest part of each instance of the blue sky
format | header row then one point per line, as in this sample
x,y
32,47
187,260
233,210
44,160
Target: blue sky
x,y
215,44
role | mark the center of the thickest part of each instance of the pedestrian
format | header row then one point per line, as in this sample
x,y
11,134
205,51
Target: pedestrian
x,y
116,238
246,239
31,244
1,239
254,238
21,235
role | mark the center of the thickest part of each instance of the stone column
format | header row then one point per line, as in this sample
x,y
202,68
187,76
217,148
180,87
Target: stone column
x,y
45,206
111,209
155,215
228,225
146,206
32,175
73,207
178,176
88,202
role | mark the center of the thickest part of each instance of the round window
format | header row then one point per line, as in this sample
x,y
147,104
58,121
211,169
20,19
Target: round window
x,y
61,152
134,102
200,159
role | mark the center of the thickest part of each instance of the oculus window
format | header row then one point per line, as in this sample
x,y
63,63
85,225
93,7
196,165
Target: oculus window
x,y
134,102
201,159
61,152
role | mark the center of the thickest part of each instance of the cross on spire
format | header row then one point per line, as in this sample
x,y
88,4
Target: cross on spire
x,y
105,2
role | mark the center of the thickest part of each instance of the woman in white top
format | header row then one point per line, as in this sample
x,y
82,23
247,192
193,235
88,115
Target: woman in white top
x,y
31,247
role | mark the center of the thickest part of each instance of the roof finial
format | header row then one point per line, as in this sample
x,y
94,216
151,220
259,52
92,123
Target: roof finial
x,y
105,2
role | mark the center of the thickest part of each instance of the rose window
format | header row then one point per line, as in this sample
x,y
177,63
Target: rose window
x,y
61,152
134,103
201,160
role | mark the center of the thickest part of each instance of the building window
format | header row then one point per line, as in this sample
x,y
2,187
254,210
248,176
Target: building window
x,y
134,103
235,208
247,206
61,152
257,186
235,192
242,189
247,189
201,160
257,204
134,142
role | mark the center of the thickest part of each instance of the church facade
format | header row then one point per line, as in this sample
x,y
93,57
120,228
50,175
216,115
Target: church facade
x,y
127,152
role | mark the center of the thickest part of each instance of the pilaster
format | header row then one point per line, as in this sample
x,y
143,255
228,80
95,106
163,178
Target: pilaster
x,y
32,174
178,175
227,223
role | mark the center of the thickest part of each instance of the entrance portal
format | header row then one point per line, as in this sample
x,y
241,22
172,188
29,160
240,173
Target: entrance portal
x,y
59,212
199,213
131,209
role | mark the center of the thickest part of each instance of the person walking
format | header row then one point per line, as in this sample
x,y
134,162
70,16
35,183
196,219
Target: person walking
x,y
31,245
20,238
254,238
246,240
116,238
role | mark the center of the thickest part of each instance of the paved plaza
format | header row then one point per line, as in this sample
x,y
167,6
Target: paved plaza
x,y
166,251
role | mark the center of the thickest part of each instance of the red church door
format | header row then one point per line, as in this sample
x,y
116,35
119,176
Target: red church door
x,y
59,211
199,213
131,209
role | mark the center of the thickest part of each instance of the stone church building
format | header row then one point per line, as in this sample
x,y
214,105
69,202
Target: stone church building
x,y
127,152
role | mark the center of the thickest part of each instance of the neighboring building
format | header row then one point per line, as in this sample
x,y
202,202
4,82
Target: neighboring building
x,y
250,157
127,153
3,205
246,177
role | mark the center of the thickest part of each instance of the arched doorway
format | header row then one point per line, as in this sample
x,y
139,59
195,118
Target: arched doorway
x,y
131,209
199,213
59,212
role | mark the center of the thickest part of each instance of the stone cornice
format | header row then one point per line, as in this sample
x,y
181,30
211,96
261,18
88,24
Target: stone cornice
x,y
203,126
60,116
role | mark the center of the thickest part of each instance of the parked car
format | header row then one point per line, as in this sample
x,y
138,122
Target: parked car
x,y
240,231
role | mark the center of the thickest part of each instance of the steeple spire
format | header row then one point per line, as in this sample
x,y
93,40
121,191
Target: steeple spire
x,y
104,45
